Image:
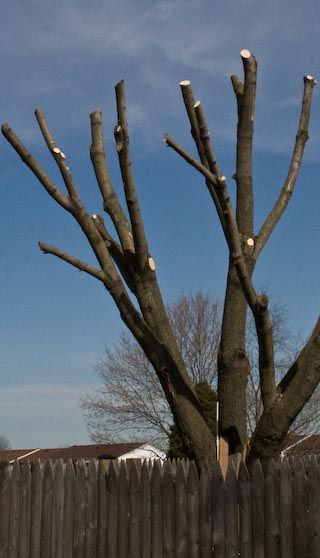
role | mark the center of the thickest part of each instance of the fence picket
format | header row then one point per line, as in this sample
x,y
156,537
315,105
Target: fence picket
x,y
193,511
102,510
300,513
36,504
205,512
314,509
245,517
156,513
286,510
25,511
123,512
91,510
5,477
145,506
258,510
181,526
231,512
46,514
272,512
14,511
168,511
218,518
57,511
68,509
80,510
134,512
112,510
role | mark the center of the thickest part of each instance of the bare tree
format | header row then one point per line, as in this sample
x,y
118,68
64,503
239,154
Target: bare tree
x,y
128,264
5,443
130,402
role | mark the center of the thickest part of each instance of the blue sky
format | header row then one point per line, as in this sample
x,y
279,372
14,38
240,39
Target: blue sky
x,y
66,57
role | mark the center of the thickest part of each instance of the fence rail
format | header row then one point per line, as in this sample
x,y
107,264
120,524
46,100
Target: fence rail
x,y
154,510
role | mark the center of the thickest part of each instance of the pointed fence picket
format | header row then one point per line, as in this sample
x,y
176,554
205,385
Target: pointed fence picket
x,y
132,509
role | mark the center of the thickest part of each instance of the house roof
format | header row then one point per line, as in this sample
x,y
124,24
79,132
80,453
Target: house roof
x,y
99,451
301,445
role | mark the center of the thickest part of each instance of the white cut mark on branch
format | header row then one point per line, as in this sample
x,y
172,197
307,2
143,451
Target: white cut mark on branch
x,y
152,264
245,53
250,242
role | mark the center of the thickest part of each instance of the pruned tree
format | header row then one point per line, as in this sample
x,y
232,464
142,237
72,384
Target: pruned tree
x,y
5,443
127,264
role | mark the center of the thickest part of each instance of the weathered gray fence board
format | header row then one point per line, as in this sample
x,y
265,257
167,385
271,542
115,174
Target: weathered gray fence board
x,y
245,518
25,511
168,512
300,514
80,510
218,517
102,511
112,511
46,514
57,510
134,512
36,509
286,511
91,510
68,510
145,506
314,509
156,513
123,512
181,502
205,510
14,511
231,513
258,511
272,513
193,512
5,477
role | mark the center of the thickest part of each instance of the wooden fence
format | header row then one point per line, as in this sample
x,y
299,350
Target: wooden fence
x,y
140,510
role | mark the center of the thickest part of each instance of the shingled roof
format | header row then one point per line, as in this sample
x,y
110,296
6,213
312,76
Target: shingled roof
x,y
99,451
302,445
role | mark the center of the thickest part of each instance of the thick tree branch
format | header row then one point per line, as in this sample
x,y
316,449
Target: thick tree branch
x,y
294,390
258,304
110,199
122,145
36,168
58,156
121,260
246,105
189,102
75,262
289,184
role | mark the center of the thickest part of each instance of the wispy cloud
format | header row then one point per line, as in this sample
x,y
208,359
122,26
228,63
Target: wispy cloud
x,y
43,415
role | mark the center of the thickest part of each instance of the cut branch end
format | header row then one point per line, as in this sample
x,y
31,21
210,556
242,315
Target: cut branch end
x,y
308,78
245,53
185,83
